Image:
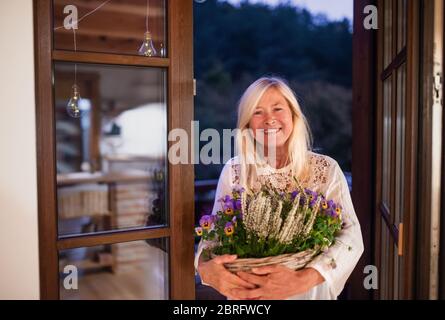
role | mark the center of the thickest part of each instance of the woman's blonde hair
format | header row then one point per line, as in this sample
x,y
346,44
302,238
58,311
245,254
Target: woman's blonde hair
x,y
299,142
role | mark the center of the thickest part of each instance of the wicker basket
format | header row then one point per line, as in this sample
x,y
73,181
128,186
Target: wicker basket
x,y
293,261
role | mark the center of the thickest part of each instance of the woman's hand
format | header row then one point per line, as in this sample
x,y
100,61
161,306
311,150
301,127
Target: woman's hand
x,y
277,282
216,275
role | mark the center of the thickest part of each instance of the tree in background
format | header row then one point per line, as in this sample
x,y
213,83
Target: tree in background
x,y
234,45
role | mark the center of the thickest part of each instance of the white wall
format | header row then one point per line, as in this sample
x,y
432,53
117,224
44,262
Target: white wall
x,y
19,264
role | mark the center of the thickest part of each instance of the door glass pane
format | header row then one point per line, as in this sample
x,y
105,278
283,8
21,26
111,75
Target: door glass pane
x,y
387,33
400,148
387,137
117,27
401,24
129,270
111,159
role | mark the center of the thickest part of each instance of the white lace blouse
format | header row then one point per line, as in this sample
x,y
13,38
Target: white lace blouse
x,y
324,175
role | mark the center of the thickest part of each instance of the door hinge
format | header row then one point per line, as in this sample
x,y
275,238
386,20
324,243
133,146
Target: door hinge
x,y
400,240
194,87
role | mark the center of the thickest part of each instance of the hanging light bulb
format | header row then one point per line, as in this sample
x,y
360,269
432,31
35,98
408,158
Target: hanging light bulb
x,y
73,106
162,51
147,48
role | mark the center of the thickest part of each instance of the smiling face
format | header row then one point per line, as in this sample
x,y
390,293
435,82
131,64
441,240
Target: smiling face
x,y
273,117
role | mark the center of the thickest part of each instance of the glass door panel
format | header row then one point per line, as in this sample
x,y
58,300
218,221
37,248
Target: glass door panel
x,y
111,160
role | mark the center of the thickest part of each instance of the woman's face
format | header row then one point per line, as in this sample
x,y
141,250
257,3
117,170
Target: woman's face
x,y
273,117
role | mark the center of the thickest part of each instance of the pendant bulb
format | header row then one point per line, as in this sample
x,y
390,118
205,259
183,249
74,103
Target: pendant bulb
x,y
147,48
73,108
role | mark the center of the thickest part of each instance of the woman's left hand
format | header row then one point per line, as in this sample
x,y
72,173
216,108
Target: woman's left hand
x,y
277,282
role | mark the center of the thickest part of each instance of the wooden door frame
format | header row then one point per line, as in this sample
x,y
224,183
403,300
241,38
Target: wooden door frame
x,y
411,150
404,241
180,177
428,280
442,215
365,137
363,92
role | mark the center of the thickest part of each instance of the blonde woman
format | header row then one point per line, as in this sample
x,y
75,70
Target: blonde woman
x,y
270,115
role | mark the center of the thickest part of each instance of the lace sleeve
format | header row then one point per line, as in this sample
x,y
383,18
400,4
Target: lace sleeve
x,y
338,262
319,170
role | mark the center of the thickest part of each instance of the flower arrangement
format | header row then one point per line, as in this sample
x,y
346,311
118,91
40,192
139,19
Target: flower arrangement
x,y
272,224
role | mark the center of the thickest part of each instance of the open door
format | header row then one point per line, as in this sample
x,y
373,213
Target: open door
x,y
115,216
396,147
408,148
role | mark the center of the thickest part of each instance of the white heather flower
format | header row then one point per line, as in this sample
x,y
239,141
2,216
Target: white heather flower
x,y
243,203
285,232
311,220
298,224
265,217
275,224
262,217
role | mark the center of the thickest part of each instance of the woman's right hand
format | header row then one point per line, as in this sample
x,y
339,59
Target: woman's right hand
x,y
217,276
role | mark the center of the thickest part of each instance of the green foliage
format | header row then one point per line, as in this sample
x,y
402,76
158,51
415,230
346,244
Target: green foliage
x,y
322,235
250,246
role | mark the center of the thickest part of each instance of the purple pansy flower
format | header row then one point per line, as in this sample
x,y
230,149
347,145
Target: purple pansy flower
x,y
312,203
302,200
230,204
312,195
324,204
331,213
237,204
229,229
294,194
206,221
227,203
336,210
198,231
